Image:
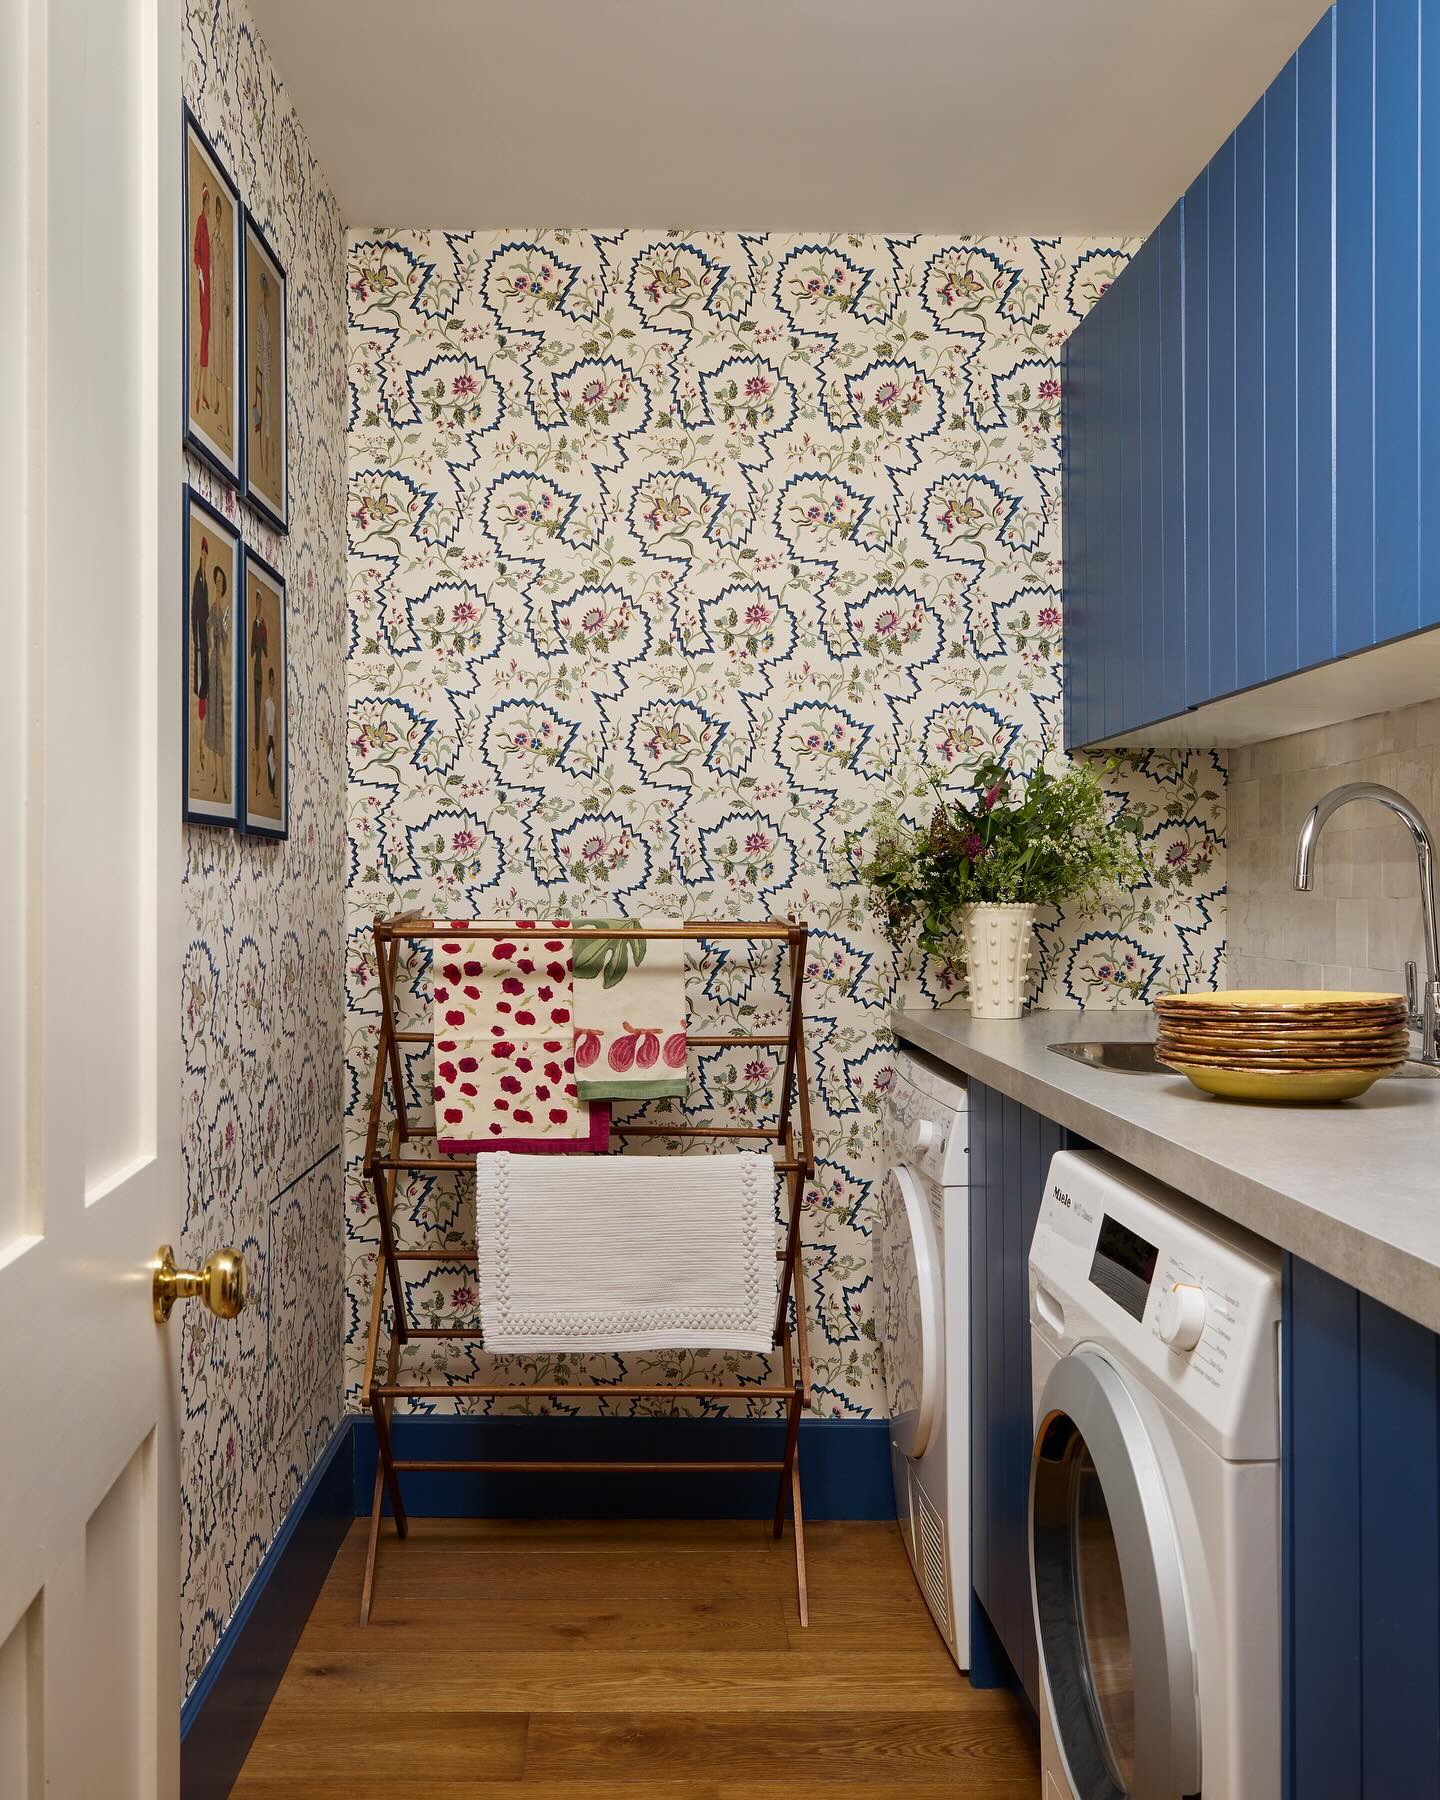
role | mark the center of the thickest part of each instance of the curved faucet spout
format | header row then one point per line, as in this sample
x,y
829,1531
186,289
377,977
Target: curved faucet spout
x,y
1305,848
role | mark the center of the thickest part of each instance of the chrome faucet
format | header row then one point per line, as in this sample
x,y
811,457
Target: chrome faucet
x,y
1424,1012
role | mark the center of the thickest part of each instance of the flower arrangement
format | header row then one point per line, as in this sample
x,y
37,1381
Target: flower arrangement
x,y
1012,840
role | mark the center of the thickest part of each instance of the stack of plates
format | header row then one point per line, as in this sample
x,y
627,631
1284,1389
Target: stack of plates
x,y
1282,1043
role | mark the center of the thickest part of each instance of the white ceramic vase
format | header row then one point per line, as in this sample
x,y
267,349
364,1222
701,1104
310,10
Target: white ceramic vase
x,y
997,953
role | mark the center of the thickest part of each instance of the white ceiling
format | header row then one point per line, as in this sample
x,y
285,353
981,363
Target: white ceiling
x,y
981,116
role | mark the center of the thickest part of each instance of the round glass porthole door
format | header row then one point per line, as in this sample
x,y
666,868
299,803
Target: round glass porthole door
x,y
911,1312
1109,1599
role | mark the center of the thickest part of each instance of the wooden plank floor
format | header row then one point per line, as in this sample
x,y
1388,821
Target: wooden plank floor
x,y
614,1660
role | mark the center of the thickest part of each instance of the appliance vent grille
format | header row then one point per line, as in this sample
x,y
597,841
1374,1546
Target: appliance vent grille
x,y
932,1562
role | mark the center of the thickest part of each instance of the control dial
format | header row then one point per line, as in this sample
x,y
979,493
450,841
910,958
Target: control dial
x,y
1181,1317
926,1134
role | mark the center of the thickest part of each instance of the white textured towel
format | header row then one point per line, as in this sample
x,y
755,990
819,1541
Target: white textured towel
x,y
626,1252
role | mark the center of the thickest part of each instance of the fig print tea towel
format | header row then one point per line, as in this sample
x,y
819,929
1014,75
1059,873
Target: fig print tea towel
x,y
504,1048
629,1016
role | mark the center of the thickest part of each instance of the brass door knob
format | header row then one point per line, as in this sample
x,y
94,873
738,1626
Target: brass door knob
x,y
223,1284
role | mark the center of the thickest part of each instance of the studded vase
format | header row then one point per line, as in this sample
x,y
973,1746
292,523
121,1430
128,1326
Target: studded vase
x,y
997,950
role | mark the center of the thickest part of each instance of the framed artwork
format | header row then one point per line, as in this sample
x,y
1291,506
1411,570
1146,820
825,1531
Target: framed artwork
x,y
213,703
266,652
267,381
213,339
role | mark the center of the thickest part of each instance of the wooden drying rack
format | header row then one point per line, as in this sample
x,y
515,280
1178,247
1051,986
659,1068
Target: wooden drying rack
x,y
794,1159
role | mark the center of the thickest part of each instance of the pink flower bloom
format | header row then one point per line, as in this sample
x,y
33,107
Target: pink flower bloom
x,y
592,849
756,844
993,795
1049,389
887,393
757,387
592,391
463,386
463,612
974,846
1048,617
463,840
757,614
757,1070
464,1298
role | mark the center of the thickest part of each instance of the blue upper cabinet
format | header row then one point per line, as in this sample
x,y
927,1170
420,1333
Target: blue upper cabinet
x,y
1124,503
1251,421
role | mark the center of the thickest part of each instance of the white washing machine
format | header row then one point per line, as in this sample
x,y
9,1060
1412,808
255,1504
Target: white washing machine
x,y
924,1330
1154,1492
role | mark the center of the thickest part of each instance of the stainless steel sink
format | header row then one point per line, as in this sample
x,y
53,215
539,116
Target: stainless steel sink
x,y
1127,1056
1136,1056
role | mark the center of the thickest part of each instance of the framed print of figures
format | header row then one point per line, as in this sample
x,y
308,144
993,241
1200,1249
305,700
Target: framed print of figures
x,y
267,379
212,308
267,700
212,605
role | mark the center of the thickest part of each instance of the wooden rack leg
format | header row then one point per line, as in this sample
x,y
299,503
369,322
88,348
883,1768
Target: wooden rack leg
x,y
372,1546
792,1436
802,1589
381,1410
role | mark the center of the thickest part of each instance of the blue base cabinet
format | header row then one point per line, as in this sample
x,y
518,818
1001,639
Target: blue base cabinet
x,y
1010,1151
1360,1545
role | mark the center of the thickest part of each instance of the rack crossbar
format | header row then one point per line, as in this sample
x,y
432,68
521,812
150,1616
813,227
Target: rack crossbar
x,y
394,1389
449,1465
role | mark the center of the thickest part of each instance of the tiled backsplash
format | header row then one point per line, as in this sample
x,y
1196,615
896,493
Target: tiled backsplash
x,y
1362,919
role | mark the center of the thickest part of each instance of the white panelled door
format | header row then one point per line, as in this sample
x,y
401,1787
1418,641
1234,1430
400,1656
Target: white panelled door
x,y
89,896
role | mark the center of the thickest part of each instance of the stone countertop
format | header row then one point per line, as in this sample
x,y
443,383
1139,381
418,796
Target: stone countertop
x,y
1353,1188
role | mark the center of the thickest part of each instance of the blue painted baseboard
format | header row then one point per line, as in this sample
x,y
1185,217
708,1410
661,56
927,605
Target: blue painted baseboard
x,y
225,1708
844,1465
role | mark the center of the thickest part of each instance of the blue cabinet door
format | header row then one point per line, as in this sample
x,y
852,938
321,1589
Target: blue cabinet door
x,y
1361,1545
1010,1151
1125,449
1314,365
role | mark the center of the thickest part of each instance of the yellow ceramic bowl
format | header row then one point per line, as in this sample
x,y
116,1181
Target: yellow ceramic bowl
x,y
1306,1088
1282,1000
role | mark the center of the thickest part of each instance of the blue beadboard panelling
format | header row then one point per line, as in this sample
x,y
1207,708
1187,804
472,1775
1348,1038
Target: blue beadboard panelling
x,y
1354,325
1122,662
1314,349
1429,309
1010,1151
1196,337
1399,1553
1281,591
1250,321
1397,306
1220,338
1361,1528
1170,455
1149,639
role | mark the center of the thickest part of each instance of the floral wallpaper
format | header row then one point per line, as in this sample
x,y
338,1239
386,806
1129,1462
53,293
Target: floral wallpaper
x,y
261,996
668,554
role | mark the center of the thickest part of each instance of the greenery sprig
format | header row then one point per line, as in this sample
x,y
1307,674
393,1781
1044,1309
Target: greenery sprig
x,y
1012,840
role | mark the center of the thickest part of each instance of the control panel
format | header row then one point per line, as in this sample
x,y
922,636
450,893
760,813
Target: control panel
x,y
1184,1299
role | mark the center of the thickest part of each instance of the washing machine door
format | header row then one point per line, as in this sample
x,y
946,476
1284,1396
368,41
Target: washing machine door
x,y
912,1312
1108,1593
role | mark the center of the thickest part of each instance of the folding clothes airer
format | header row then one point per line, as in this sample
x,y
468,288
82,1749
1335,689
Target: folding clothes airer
x,y
794,1158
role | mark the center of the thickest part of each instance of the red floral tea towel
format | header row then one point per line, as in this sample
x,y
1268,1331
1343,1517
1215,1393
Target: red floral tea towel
x,y
630,1016
504,1048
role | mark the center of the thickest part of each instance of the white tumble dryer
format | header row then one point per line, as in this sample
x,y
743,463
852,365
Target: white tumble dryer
x,y
924,1330
1154,1492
